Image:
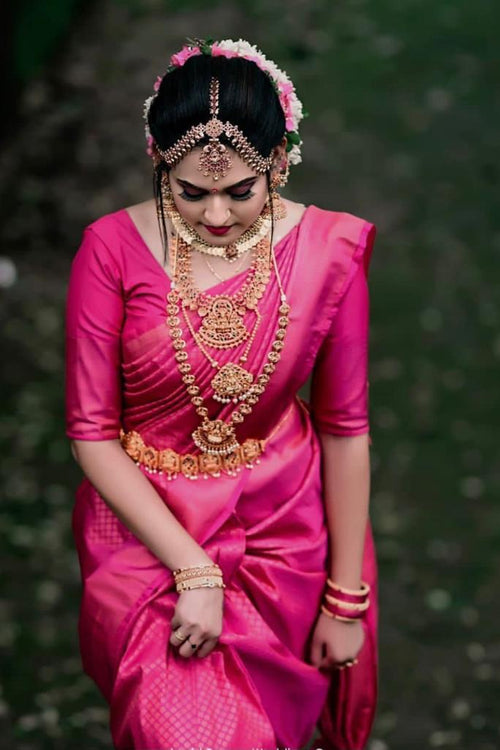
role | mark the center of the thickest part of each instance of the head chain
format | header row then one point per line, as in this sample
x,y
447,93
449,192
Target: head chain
x,y
215,159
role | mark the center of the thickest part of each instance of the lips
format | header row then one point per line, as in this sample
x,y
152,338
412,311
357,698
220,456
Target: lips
x,y
219,231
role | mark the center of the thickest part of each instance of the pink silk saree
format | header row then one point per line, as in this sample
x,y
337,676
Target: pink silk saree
x,y
265,527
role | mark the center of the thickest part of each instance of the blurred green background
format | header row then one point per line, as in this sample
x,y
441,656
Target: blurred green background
x,y
403,130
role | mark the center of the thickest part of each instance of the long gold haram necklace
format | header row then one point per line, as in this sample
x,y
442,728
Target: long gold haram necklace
x,y
223,325
214,435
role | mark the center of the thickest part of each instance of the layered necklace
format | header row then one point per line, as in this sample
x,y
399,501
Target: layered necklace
x,y
223,326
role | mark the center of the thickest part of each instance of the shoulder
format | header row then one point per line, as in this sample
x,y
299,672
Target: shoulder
x,y
348,237
108,227
109,235
100,249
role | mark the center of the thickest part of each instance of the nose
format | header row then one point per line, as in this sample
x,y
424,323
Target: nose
x,y
217,211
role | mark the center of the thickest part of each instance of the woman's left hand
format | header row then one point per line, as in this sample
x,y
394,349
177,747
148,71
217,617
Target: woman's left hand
x,y
335,642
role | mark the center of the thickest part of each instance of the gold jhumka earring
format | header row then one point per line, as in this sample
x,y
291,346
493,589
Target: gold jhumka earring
x,y
279,179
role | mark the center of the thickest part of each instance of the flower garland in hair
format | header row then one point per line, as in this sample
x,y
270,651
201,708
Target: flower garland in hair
x,y
290,103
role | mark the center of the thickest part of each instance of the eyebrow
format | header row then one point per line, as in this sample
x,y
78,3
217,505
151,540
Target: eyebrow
x,y
229,187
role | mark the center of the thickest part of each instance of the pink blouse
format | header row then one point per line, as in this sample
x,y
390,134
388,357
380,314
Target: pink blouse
x,y
116,296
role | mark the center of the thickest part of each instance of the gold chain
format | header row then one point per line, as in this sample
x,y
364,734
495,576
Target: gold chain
x,y
237,269
214,436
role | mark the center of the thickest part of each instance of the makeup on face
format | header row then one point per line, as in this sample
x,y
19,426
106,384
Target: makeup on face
x,y
218,231
241,190
220,211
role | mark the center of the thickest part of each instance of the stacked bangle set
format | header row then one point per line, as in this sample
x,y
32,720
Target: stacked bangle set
x,y
347,605
198,577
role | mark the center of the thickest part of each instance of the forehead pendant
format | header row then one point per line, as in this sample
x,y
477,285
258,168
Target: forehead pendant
x,y
214,159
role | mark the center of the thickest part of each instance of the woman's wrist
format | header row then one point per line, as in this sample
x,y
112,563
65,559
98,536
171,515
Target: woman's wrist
x,y
345,604
198,577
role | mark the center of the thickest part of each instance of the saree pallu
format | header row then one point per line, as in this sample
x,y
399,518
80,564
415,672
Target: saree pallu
x,y
265,527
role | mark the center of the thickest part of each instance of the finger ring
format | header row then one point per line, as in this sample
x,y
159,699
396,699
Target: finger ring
x,y
194,646
346,663
181,638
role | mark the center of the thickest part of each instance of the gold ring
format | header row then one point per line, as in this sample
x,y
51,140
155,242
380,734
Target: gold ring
x,y
179,637
347,663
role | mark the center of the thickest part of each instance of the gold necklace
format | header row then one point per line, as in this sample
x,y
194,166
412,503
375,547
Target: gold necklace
x,y
222,315
214,436
223,325
232,382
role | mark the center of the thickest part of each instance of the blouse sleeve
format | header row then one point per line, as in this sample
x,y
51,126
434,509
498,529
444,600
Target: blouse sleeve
x,y
339,389
94,317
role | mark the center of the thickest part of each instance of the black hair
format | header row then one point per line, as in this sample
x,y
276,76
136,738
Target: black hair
x,y
247,98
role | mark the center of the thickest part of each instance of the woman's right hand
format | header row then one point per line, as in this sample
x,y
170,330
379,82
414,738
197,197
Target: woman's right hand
x,y
198,616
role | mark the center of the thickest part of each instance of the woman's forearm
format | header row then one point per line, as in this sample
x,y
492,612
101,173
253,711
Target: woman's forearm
x,y
130,495
346,491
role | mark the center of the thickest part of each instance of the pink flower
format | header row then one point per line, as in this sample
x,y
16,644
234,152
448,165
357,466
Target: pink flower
x,y
150,142
219,52
285,88
180,57
157,83
286,106
255,60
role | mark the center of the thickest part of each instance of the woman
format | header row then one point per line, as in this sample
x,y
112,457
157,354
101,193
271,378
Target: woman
x,y
192,321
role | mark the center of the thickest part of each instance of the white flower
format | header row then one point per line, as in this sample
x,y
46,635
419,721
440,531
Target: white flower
x,y
147,106
294,155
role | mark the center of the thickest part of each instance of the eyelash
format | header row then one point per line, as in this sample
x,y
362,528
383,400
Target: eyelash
x,y
241,197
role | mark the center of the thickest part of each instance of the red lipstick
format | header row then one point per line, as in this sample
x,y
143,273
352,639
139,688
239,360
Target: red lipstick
x,y
217,230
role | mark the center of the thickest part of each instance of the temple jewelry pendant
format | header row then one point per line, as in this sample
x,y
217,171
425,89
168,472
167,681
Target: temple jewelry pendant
x,y
215,160
231,383
222,327
215,436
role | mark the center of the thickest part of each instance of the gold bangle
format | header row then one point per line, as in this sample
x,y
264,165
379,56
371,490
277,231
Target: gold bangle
x,y
363,591
358,606
201,583
201,578
195,567
185,573
338,617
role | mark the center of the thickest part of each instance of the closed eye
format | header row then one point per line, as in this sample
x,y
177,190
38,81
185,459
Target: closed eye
x,y
194,195
242,196
191,195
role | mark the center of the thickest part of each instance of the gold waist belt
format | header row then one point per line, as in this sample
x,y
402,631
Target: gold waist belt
x,y
192,465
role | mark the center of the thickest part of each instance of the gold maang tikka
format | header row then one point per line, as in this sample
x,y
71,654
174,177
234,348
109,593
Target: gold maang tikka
x,y
215,159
